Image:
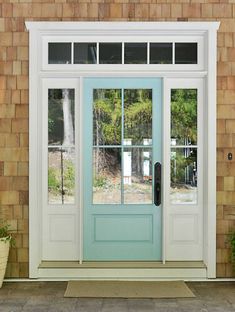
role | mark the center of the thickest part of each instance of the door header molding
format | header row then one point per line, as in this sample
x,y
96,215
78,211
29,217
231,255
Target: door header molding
x,y
141,27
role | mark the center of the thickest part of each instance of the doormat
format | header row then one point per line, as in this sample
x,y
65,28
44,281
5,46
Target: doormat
x,y
128,289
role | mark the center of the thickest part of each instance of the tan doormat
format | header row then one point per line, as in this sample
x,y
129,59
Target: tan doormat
x,y
128,289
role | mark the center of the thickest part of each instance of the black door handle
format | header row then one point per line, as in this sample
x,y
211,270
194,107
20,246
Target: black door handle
x,y
157,184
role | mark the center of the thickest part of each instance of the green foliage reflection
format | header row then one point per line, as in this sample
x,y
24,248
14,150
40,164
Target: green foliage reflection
x,y
184,116
183,167
138,115
107,116
107,112
57,175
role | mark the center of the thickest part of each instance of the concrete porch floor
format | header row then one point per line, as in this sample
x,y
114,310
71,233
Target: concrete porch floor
x,y
48,296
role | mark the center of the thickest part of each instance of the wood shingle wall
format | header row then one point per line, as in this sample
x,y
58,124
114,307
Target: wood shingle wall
x,y
14,100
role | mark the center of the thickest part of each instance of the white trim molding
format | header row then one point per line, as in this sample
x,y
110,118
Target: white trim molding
x,y
210,159
137,27
201,75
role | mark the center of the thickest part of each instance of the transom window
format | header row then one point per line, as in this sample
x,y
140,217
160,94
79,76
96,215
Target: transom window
x,y
123,53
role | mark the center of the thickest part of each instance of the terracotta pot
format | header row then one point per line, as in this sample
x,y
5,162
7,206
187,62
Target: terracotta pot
x,y
4,251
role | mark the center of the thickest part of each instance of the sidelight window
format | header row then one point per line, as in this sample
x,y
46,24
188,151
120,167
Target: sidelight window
x,y
61,146
184,139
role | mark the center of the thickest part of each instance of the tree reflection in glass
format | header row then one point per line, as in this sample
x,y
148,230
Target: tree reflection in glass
x,y
183,175
107,112
61,117
183,146
138,116
183,116
137,175
61,151
122,175
61,175
106,175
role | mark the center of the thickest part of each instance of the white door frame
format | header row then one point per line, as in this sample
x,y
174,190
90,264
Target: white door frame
x,y
41,30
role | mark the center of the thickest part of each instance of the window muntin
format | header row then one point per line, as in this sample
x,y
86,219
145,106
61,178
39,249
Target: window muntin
x,y
184,132
61,146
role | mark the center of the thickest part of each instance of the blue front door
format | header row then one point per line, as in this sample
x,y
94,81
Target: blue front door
x,y
121,145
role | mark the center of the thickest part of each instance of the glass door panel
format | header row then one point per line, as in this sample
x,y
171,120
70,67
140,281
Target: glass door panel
x,y
106,175
137,175
120,174
137,116
107,112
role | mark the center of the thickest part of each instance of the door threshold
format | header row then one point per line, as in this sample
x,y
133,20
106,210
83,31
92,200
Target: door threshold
x,y
121,264
122,270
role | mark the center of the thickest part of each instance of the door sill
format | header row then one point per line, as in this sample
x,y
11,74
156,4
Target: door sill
x,y
67,270
121,264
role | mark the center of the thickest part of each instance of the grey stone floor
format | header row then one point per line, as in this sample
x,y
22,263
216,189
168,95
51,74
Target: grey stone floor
x,y
48,296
